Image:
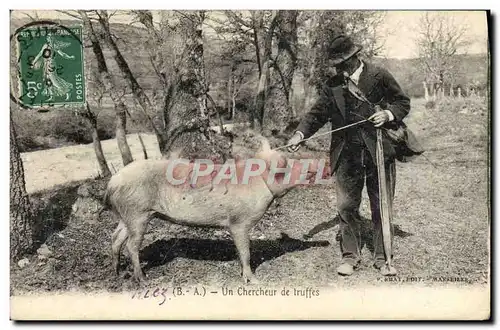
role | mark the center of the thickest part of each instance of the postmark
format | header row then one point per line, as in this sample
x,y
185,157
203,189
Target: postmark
x,y
50,66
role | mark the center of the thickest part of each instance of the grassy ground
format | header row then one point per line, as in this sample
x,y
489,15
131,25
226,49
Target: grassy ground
x,y
441,213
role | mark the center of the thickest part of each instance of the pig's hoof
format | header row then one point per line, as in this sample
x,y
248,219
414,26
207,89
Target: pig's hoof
x,y
140,279
250,279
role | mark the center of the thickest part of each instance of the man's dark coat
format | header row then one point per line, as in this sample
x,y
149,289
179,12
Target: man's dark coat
x,y
380,87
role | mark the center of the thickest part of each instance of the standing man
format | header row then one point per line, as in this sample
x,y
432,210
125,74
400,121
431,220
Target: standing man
x,y
353,151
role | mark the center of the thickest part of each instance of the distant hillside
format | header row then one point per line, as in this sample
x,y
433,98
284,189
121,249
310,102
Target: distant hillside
x,y
131,41
471,68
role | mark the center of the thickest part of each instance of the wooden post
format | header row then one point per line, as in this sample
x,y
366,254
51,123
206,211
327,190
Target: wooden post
x,y
426,91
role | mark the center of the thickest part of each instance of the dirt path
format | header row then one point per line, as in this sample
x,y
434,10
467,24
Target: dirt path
x,y
47,168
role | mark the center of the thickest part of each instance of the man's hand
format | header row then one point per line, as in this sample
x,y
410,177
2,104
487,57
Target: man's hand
x,y
381,117
295,141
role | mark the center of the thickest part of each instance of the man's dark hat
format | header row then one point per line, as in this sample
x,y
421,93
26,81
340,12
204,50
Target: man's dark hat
x,y
341,49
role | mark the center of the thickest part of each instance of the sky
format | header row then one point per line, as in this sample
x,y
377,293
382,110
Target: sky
x,y
398,29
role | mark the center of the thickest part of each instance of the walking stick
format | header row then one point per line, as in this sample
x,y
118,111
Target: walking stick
x,y
384,205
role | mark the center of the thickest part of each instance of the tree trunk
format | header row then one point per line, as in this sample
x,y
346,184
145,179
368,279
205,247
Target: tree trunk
x,y
262,88
121,133
260,98
91,117
101,160
229,95
96,142
188,130
231,91
110,85
198,60
287,45
143,146
129,77
233,104
21,216
257,21
279,112
168,84
310,66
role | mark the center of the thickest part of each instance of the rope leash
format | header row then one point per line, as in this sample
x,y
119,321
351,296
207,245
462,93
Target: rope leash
x,y
342,128
325,133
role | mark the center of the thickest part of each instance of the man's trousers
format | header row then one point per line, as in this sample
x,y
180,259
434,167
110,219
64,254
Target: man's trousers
x,y
356,166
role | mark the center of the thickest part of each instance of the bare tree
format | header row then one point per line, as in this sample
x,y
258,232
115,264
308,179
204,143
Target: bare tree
x,y
258,28
279,111
233,50
265,64
96,141
188,128
317,29
280,51
176,108
109,84
247,26
94,84
198,59
441,38
21,216
236,84
362,26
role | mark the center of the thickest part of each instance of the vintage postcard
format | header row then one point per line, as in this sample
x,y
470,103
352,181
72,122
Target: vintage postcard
x,y
250,165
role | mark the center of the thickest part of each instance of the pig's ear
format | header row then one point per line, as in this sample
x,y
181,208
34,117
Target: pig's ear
x,y
284,159
327,172
181,171
265,147
279,158
175,154
279,178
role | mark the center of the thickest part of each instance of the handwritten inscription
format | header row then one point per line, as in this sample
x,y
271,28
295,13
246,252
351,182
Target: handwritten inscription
x,y
161,295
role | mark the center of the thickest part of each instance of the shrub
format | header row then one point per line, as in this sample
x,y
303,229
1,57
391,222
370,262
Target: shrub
x,y
464,105
28,143
71,127
430,104
29,127
60,127
106,124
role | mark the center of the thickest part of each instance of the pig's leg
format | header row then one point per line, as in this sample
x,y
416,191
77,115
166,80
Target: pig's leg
x,y
239,232
136,230
119,236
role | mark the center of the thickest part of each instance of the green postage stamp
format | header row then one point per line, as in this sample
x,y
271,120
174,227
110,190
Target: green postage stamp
x,y
51,66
